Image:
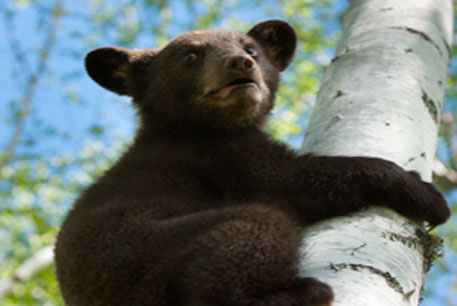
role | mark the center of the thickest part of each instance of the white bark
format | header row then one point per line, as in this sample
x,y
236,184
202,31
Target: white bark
x,y
382,96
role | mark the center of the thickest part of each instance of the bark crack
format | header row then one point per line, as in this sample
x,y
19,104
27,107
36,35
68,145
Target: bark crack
x,y
431,106
410,242
390,279
433,248
426,38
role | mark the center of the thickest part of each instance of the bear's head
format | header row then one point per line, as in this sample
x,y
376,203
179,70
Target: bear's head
x,y
210,79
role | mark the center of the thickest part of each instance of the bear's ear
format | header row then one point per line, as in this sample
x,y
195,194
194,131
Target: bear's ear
x,y
278,39
112,67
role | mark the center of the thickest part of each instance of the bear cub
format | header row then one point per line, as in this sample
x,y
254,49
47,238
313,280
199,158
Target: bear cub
x,y
205,209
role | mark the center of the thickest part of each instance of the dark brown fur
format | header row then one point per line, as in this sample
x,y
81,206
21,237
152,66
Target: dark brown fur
x,y
205,209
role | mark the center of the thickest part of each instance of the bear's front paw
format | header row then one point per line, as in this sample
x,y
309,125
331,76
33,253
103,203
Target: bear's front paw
x,y
316,293
420,200
301,292
434,206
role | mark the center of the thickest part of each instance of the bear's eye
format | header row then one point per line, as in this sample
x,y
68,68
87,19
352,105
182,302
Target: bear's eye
x,y
190,56
250,50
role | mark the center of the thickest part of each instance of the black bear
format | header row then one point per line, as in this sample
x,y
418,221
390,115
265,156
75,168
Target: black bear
x,y
205,209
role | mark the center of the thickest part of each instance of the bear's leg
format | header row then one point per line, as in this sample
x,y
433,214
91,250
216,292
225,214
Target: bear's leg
x,y
247,258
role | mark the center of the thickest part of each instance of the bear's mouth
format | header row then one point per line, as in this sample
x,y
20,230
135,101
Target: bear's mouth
x,y
223,92
241,81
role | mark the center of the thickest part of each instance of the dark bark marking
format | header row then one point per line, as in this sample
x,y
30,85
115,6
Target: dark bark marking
x,y
431,106
424,36
391,281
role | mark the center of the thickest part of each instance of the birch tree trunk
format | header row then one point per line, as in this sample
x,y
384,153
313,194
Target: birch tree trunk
x,y
381,96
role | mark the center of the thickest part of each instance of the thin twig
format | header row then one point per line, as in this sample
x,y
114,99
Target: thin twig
x,y
32,81
14,43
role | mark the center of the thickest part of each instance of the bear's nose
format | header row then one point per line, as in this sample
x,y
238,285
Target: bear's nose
x,y
239,62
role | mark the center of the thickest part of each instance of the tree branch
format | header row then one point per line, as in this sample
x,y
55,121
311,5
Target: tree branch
x,y
446,178
41,259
